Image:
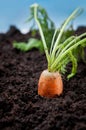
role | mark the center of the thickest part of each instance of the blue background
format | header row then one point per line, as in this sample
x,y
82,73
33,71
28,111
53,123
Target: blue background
x,y
16,12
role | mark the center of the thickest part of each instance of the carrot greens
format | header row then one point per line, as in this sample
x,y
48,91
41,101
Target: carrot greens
x,y
32,43
48,28
61,53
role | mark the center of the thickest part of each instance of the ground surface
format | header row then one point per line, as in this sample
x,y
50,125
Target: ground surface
x,y
20,106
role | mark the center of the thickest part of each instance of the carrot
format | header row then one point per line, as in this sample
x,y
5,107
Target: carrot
x,y
60,54
50,84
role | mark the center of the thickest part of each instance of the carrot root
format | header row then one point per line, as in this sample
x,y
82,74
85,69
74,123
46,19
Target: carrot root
x,y
50,84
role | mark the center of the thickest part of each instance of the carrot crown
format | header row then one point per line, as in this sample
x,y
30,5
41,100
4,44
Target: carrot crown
x,y
60,54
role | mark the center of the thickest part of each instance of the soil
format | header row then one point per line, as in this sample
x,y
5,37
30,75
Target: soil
x,y
21,108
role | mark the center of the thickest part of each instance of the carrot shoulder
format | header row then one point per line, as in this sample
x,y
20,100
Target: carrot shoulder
x,y
50,84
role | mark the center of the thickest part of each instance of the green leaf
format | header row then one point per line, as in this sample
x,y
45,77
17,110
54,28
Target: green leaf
x,y
32,43
74,65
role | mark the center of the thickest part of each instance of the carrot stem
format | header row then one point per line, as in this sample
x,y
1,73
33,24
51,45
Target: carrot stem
x,y
41,32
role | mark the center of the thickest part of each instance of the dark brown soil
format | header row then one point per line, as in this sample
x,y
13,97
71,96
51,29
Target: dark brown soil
x,y
20,106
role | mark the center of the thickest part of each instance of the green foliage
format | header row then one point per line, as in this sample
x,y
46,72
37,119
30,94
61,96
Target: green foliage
x,y
79,53
61,53
59,45
47,24
32,43
48,28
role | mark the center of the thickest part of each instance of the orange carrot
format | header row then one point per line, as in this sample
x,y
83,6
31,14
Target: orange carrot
x,y
50,84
